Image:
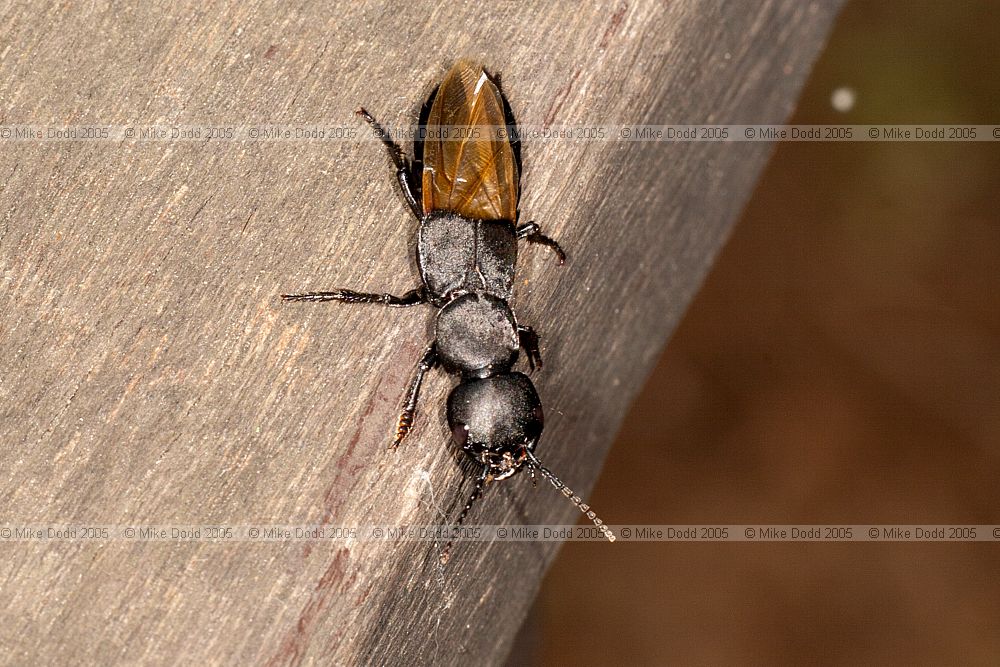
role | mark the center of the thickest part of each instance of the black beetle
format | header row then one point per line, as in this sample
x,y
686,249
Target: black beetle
x,y
466,253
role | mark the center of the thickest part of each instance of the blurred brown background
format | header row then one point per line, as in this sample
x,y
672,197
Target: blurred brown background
x,y
840,365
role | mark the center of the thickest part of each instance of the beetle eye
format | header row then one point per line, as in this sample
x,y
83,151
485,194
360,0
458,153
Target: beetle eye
x,y
460,434
533,429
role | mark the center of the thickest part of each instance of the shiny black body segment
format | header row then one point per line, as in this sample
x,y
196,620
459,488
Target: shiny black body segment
x,y
457,255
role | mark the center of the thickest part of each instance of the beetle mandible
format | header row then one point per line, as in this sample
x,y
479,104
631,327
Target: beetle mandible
x,y
466,201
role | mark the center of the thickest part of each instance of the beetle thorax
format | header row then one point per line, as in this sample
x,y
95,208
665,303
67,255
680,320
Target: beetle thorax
x,y
476,335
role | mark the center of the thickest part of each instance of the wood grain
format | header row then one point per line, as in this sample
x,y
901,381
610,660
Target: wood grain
x,y
150,375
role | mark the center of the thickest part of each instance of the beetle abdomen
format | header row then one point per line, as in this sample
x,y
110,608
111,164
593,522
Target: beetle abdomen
x,y
470,167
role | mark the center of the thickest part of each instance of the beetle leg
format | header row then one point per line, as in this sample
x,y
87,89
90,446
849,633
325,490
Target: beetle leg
x,y
427,362
476,495
404,174
532,233
411,298
528,340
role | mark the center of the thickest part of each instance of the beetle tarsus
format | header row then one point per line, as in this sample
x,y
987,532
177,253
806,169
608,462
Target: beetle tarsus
x,y
528,340
405,423
402,428
411,298
404,173
532,233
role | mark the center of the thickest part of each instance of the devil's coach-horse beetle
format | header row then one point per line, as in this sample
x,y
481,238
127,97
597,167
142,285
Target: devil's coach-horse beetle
x,y
466,203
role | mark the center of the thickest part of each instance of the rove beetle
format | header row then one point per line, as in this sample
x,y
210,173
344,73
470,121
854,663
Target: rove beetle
x,y
465,197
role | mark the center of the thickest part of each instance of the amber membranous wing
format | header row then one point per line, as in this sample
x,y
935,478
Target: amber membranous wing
x,y
469,165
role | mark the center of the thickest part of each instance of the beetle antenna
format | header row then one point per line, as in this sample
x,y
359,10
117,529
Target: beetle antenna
x,y
476,495
573,498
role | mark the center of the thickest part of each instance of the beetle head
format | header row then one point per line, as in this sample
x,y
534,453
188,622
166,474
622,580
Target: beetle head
x,y
496,421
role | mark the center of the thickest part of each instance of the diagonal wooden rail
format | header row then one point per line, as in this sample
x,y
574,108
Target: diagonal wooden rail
x,y
149,375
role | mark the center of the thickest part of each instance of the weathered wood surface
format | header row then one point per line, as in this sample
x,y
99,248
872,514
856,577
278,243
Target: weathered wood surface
x,y
151,376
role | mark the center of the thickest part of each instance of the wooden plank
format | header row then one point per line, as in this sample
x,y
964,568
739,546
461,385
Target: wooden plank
x,y
150,375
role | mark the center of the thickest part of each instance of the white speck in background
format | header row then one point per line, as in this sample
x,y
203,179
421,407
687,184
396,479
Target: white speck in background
x,y
843,99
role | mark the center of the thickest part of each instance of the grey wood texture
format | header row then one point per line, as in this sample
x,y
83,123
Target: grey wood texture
x,y
150,375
